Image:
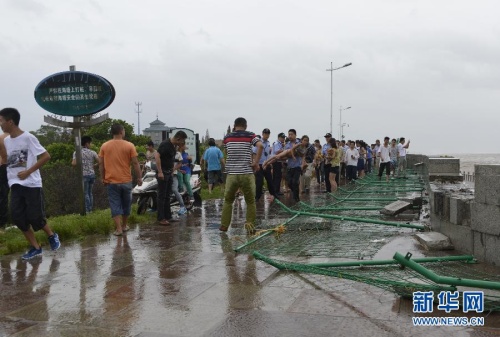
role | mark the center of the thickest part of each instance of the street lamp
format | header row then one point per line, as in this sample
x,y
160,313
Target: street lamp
x,y
331,89
342,128
341,133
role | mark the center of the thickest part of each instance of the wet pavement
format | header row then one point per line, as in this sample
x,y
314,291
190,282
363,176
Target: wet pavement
x,y
186,280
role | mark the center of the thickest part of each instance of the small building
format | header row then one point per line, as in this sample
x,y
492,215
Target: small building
x,y
158,132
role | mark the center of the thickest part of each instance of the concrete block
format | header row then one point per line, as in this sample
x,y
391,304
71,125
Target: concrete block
x,y
395,208
434,241
486,248
480,190
438,197
460,236
487,189
436,222
466,212
487,170
459,210
439,165
446,207
485,218
412,159
454,211
415,200
479,246
448,177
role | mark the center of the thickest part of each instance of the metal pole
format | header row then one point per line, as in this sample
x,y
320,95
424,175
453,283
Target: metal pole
x,y
331,90
454,281
466,258
340,124
77,133
331,95
350,218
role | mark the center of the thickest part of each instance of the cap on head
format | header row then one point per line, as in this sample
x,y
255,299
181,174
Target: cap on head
x,y
328,135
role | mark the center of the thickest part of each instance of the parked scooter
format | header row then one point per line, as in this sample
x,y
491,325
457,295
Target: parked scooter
x,y
148,193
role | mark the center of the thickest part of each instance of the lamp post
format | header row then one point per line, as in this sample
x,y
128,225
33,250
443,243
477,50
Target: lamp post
x,y
342,129
331,89
341,133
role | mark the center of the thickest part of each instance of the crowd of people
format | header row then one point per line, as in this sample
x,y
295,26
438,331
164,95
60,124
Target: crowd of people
x,y
22,155
251,158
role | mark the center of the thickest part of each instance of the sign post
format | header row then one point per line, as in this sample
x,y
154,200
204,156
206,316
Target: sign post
x,y
75,93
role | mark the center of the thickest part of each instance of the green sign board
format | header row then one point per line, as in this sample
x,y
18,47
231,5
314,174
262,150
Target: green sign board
x,y
74,93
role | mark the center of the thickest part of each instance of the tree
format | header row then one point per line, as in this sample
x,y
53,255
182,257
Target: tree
x,y
49,134
60,153
207,137
101,133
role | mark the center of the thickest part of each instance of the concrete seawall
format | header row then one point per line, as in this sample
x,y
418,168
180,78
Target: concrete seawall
x,y
470,217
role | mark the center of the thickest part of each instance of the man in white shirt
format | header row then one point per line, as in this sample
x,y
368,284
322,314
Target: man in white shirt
x,y
385,160
402,147
351,158
25,156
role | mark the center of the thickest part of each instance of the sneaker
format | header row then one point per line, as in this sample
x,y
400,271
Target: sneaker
x,y
32,253
182,211
191,199
54,242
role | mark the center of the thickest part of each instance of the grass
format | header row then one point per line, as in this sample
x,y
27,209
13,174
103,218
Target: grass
x,y
217,192
68,227
76,227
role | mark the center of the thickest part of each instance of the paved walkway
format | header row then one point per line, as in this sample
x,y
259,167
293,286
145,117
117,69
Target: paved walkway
x,y
185,280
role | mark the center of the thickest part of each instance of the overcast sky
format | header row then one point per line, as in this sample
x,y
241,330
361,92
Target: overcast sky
x,y
426,70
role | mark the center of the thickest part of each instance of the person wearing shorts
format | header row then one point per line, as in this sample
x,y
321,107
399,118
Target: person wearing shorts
x,y
215,177
25,156
115,158
213,161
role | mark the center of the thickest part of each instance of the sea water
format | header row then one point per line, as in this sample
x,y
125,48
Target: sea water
x,y
468,160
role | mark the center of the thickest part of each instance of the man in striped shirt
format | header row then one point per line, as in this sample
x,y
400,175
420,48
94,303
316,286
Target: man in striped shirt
x,y
240,168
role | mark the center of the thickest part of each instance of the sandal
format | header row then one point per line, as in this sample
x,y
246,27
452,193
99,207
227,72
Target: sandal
x,y
116,233
164,223
126,229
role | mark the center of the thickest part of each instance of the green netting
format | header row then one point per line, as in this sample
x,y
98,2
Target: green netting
x,y
347,225
389,277
394,278
317,237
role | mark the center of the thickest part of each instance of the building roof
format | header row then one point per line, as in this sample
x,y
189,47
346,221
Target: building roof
x,y
157,125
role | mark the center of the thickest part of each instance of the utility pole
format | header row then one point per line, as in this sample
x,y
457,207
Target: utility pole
x,y
331,94
138,119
